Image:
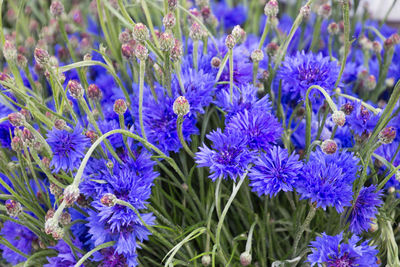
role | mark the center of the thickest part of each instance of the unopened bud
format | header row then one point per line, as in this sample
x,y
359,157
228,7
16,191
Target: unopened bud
x,y
230,41
17,144
177,51
27,137
13,208
272,49
271,9
325,11
329,146
22,62
108,200
390,42
87,57
215,62
305,11
56,8
181,106
125,37
239,34
370,82
387,135
42,57
65,219
377,47
172,4
120,106
167,42
9,51
16,119
339,118
59,124
127,51
92,135
75,89
196,32
94,92
71,194
347,108
257,55
391,190
206,260
141,52
333,28
245,259
55,190
49,214
140,32
169,20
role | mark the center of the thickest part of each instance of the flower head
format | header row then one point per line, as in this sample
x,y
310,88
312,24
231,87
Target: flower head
x,y
332,251
327,179
361,120
228,157
364,209
275,171
68,148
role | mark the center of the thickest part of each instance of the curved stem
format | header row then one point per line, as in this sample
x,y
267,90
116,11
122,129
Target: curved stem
x,y
346,20
87,255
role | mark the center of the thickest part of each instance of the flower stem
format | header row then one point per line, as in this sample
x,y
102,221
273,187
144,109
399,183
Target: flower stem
x,y
195,54
179,122
347,43
141,85
302,228
231,74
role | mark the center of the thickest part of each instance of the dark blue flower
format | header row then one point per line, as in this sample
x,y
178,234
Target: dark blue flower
x,y
65,257
327,179
332,251
244,98
275,171
364,209
68,148
361,120
228,157
20,237
261,129
301,71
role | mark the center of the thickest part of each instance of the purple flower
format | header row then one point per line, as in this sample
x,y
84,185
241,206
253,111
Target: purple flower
x,y
68,148
332,251
65,257
275,171
301,71
228,157
327,179
364,209
20,237
261,129
361,120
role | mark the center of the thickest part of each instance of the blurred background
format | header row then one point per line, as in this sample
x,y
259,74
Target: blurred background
x,y
379,8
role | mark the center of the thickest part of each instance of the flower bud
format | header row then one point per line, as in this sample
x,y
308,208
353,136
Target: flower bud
x,y
272,49
329,146
75,89
257,55
347,108
271,9
71,194
339,118
55,190
172,4
387,135
196,32
27,137
13,208
59,124
140,32
167,42
239,34
127,51
390,42
305,11
65,219
16,144
377,47
391,190
49,214
56,9
16,119
245,259
120,106
181,106
42,57
177,51
325,11
92,135
141,52
230,41
206,260
333,28
9,51
215,62
370,82
94,92
125,37
108,200
87,57
110,164
22,62
169,21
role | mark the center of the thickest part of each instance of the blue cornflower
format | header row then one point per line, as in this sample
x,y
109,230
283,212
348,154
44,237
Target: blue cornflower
x,y
331,251
20,237
65,257
275,171
261,129
229,16
301,71
228,157
243,99
327,179
68,148
361,120
364,209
